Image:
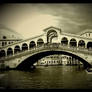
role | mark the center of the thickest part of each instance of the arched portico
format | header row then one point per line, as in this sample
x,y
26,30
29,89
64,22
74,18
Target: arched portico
x,y
64,41
40,42
24,47
16,49
9,52
2,53
73,43
81,43
89,45
32,44
50,35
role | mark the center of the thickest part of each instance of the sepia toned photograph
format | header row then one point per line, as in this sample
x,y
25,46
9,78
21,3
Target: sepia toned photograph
x,y
45,46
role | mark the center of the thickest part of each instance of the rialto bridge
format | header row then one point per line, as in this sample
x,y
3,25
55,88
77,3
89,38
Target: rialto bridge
x,y
23,54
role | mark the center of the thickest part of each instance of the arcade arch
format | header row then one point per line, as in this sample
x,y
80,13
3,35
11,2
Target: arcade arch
x,y
32,44
16,49
81,43
9,52
64,41
89,45
2,53
24,46
73,43
40,42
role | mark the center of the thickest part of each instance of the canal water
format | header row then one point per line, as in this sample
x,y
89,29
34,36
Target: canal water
x,y
51,77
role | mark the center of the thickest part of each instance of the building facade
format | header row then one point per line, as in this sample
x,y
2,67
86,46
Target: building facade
x,y
58,60
86,33
8,36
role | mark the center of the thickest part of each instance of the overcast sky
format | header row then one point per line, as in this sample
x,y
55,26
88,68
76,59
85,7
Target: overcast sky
x,y
30,19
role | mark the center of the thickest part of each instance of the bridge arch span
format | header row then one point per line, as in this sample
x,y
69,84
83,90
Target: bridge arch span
x,y
25,64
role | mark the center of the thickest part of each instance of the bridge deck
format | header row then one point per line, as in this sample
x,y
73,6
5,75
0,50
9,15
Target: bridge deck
x,y
46,47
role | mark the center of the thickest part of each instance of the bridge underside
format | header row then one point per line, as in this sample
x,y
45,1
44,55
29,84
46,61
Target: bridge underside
x,y
25,65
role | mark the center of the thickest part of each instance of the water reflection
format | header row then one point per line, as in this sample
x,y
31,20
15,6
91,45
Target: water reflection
x,y
57,77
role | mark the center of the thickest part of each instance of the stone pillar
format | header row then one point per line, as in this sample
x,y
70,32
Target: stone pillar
x,y
13,52
5,53
68,43
85,45
77,44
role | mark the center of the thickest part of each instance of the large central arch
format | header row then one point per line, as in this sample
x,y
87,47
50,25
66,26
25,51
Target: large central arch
x,y
25,65
50,35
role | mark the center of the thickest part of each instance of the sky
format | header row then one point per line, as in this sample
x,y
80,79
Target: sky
x,y
31,19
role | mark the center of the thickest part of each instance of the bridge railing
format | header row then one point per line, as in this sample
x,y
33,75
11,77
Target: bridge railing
x,y
51,46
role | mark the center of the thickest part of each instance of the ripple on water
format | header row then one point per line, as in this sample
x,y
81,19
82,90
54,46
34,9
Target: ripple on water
x,y
67,77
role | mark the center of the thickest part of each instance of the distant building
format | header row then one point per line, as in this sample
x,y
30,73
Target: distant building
x,y
57,60
8,36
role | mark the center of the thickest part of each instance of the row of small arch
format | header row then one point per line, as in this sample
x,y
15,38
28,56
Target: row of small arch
x,y
40,42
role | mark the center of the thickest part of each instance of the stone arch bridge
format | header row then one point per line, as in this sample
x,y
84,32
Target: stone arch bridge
x,y
23,54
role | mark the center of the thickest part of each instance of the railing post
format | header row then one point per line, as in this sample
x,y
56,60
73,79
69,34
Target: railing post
x,y
85,45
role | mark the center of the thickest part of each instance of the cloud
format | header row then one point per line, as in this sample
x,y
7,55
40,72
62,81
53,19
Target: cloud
x,y
69,17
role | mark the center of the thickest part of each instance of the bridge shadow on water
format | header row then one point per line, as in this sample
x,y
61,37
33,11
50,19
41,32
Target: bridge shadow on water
x,y
27,63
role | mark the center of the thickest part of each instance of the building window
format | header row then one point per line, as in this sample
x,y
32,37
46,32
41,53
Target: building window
x,y
2,43
9,42
4,37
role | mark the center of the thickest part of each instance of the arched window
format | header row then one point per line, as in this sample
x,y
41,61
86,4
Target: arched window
x,y
2,43
24,47
40,42
73,43
89,45
64,41
4,37
32,44
16,49
2,53
9,52
81,43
